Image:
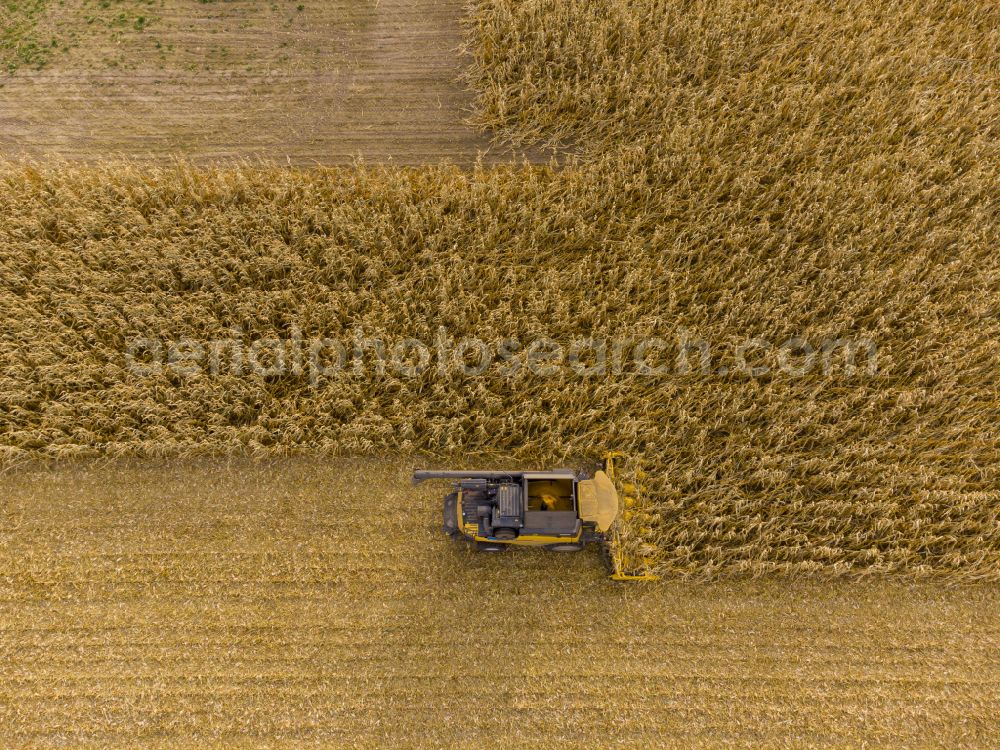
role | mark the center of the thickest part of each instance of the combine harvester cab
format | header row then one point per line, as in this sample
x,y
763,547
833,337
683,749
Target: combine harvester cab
x,y
556,509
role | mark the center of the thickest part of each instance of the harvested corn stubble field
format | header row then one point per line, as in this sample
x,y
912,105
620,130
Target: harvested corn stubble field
x,y
311,603
297,82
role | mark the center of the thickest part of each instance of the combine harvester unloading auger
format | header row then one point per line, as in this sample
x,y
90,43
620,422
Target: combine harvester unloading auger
x,y
556,509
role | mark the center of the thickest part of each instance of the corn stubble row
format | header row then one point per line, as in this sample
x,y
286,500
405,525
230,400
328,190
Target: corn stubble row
x,y
819,171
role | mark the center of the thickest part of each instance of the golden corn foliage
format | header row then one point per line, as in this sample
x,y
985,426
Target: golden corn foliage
x,y
820,171
763,87
811,167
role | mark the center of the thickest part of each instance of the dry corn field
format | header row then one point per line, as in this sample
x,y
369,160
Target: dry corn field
x,y
207,535
304,603
891,471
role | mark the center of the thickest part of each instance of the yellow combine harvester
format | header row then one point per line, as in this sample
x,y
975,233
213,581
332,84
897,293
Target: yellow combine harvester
x,y
556,509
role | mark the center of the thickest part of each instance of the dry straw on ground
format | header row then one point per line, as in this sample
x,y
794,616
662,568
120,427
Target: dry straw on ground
x,y
817,171
307,603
